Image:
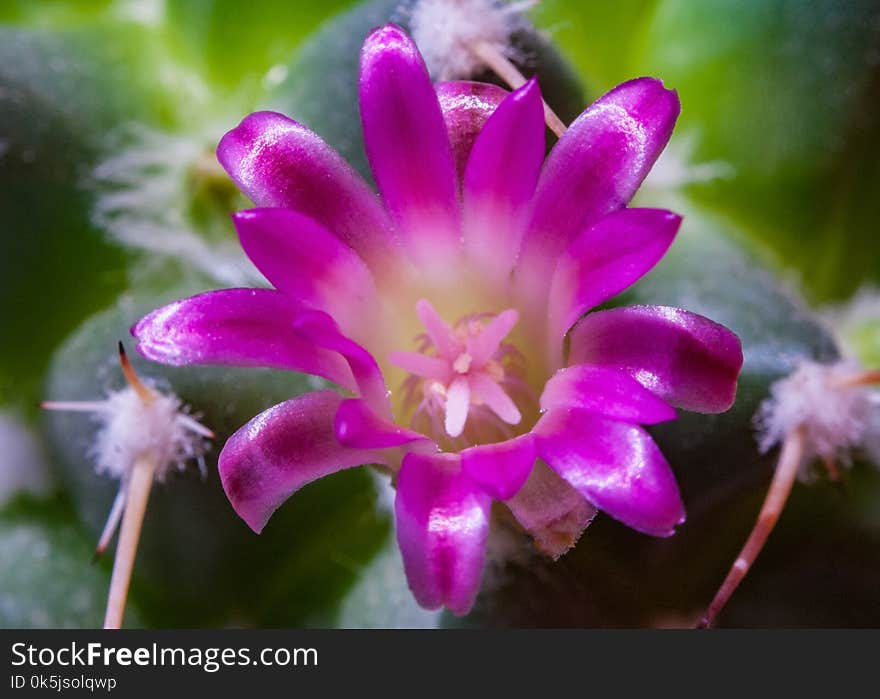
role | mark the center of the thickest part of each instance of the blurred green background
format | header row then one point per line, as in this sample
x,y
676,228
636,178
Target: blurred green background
x,y
109,114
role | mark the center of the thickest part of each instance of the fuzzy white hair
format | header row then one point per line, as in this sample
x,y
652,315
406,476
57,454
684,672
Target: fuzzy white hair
x,y
141,190
446,30
130,428
837,419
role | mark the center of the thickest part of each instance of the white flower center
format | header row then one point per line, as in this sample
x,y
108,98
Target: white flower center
x,y
462,377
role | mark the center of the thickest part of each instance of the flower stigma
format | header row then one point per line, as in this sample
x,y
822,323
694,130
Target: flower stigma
x,y
465,381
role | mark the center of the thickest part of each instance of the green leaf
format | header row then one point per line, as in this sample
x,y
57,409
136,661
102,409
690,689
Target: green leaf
x,y
600,38
47,580
234,42
60,95
54,13
199,564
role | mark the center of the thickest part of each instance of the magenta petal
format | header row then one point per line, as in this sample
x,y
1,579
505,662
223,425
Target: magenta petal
x,y
237,327
687,360
553,512
466,106
320,329
609,392
597,166
307,262
500,180
442,525
485,345
407,145
280,163
604,260
357,426
488,391
615,465
280,451
502,468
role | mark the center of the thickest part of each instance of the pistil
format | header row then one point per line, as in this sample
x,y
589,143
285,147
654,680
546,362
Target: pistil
x,y
461,377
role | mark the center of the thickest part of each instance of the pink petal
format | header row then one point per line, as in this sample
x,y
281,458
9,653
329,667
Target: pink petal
x,y
442,525
687,360
500,180
615,465
553,512
604,260
458,397
485,345
501,468
604,391
487,390
320,329
407,146
308,263
357,426
237,327
280,451
421,365
439,332
280,163
596,167
466,106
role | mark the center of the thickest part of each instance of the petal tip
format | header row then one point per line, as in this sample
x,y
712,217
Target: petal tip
x,y
136,330
150,334
236,143
662,531
385,38
244,216
530,89
255,522
651,92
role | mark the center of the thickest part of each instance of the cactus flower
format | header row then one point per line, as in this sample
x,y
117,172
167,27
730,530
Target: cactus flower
x,y
452,311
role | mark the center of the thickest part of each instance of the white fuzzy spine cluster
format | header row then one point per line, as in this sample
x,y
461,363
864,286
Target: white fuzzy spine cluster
x,y
130,428
837,419
140,201
447,30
